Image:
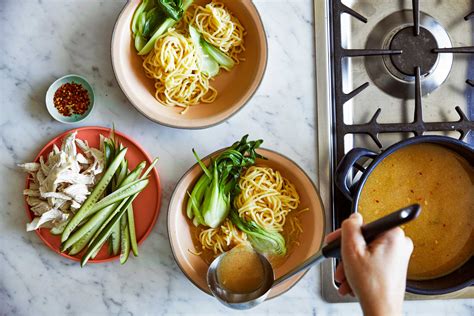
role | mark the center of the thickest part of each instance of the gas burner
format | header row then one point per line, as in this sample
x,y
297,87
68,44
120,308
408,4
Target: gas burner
x,y
407,54
417,51
395,74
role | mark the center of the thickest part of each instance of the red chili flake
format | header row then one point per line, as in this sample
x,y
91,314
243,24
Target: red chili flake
x,y
71,98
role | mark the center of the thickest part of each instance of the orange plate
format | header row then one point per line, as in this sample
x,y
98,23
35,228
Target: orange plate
x,y
146,206
235,88
312,222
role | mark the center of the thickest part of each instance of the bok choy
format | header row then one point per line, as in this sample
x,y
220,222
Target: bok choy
x,y
264,241
210,200
153,18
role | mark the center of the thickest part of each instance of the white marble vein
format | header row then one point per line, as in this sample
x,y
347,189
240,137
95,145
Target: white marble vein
x,y
43,40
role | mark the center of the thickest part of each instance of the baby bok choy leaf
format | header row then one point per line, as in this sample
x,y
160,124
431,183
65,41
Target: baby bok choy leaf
x,y
216,204
172,8
262,240
210,199
166,13
222,59
207,64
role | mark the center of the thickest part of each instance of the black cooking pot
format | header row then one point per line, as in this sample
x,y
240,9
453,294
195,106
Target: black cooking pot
x,y
458,279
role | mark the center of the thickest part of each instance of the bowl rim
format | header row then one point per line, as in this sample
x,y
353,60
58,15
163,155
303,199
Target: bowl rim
x,y
154,171
49,103
184,126
314,187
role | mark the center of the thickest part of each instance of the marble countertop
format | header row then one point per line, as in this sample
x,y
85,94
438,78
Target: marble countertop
x,y
43,40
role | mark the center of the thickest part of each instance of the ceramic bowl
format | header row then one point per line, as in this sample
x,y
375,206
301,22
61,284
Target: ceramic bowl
x,y
312,221
235,88
72,78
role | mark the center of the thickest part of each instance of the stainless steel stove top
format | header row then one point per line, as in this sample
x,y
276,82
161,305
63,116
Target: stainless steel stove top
x,y
391,84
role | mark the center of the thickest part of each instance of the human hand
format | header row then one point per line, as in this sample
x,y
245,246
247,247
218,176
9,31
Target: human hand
x,y
376,272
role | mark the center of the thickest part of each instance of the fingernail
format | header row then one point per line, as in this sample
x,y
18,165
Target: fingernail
x,y
356,215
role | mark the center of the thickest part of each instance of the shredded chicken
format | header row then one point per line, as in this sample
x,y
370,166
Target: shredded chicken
x,y
61,183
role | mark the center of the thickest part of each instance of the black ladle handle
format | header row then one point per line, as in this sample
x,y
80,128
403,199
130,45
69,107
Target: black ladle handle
x,y
372,230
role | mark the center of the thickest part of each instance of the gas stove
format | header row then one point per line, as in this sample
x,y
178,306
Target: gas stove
x,y
388,70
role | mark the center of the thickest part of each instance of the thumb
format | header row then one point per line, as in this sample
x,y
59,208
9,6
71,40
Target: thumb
x,y
353,243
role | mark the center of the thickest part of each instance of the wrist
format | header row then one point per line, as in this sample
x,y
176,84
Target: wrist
x,y
381,308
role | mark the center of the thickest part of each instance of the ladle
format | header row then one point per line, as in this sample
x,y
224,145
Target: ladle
x,y
331,250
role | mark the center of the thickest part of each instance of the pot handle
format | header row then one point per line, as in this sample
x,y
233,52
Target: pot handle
x,y
345,166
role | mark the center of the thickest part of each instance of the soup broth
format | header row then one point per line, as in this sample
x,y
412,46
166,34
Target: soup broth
x,y
241,270
442,182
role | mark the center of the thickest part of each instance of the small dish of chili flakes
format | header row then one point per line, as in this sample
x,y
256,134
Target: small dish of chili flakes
x,y
70,99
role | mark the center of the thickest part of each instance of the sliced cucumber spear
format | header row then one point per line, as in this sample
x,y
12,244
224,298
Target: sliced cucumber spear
x,y
115,239
98,240
124,238
128,187
131,231
102,237
84,211
117,196
81,237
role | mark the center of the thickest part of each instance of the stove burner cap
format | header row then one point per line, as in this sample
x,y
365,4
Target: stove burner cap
x,y
417,51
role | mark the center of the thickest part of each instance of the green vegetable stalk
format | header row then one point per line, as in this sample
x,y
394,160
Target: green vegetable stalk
x,y
153,18
210,199
215,53
262,240
172,8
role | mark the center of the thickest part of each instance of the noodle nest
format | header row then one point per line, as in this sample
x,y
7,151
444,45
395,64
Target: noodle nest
x,y
265,197
174,62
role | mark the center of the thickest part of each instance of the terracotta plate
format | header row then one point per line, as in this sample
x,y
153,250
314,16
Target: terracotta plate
x,y
195,268
235,87
146,206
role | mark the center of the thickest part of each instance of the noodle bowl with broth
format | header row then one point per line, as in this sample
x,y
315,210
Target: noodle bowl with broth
x,y
268,199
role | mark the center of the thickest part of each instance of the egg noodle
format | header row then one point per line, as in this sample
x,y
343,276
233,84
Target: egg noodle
x,y
218,27
174,64
222,238
174,61
266,198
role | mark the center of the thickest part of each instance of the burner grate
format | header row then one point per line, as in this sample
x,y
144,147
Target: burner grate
x,y
373,128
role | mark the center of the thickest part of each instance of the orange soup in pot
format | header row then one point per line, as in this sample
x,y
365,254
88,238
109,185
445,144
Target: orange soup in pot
x,y
442,182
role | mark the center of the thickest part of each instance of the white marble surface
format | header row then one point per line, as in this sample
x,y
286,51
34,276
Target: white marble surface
x,y
43,40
